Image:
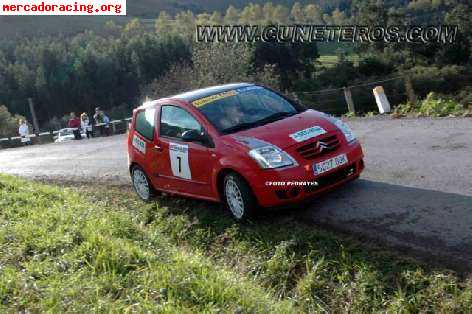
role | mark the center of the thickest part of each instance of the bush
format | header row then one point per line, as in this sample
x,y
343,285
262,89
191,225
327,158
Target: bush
x,y
447,79
432,106
56,123
464,97
179,78
373,66
8,122
405,109
119,112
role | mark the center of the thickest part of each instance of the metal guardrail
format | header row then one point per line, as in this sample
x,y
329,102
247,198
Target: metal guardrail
x,y
14,141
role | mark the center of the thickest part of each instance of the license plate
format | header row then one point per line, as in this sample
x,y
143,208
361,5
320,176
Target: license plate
x,y
329,164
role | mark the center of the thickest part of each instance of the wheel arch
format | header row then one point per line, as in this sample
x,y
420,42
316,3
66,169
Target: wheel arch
x,y
220,177
132,165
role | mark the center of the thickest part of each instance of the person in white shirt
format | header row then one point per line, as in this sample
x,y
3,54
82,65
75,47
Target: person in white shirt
x,y
85,124
23,131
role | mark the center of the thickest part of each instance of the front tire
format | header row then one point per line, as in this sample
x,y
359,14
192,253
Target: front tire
x,y
141,184
238,197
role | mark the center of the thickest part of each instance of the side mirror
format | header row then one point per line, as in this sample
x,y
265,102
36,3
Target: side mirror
x,y
192,136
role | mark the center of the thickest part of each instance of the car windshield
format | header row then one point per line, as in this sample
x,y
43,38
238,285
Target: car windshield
x,y
244,108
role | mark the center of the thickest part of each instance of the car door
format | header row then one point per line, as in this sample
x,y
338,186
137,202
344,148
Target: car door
x,y
187,165
144,135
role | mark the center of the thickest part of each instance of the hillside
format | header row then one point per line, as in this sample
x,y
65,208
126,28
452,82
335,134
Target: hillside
x,y
26,26
147,9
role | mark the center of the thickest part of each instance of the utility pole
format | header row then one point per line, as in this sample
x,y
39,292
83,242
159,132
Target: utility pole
x,y
33,114
349,101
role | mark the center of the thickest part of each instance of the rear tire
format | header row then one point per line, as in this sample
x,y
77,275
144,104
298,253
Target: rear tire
x,y
141,184
238,197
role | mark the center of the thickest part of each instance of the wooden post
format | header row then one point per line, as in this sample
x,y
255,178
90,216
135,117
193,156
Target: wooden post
x,y
33,114
410,92
349,101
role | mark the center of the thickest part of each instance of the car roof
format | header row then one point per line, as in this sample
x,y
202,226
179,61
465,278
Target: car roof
x,y
200,93
208,91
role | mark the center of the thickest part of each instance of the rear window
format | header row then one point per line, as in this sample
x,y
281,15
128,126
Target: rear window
x,y
145,123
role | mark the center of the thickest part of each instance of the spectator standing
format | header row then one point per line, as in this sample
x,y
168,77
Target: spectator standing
x,y
74,123
23,131
86,125
106,120
98,120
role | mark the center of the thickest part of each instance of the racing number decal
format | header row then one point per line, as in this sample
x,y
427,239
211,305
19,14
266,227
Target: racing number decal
x,y
178,155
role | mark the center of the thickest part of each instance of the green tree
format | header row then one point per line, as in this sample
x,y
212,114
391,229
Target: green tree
x,y
281,14
232,15
294,61
8,122
297,14
314,14
220,63
163,24
216,18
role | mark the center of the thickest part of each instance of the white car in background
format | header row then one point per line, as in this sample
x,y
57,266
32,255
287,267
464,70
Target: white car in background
x,y
66,135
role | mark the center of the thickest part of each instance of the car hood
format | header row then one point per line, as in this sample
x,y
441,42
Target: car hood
x,y
286,132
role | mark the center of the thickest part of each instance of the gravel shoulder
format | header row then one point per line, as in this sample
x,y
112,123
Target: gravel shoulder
x,y
416,191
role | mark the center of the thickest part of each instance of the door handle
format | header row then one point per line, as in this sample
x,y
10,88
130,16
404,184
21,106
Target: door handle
x,y
157,148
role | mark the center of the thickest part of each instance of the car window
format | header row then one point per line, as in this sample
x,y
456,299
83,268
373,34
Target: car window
x,y
145,123
175,121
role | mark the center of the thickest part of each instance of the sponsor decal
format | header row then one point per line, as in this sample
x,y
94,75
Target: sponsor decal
x,y
139,144
205,100
306,134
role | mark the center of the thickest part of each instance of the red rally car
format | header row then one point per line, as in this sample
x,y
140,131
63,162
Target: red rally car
x,y
241,144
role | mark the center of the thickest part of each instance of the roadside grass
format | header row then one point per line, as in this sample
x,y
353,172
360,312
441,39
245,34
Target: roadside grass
x,y
101,249
61,252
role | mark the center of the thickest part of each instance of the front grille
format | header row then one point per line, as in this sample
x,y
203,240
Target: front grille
x,y
319,147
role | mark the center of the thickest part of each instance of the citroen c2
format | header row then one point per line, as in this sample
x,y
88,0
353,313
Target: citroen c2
x,y
244,145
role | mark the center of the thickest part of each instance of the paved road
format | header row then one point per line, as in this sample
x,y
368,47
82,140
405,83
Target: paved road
x,y
415,193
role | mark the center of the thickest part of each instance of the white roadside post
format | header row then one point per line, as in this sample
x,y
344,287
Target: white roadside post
x,y
381,99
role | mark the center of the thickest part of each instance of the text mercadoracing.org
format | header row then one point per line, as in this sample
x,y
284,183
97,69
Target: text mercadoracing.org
x,y
62,7
445,34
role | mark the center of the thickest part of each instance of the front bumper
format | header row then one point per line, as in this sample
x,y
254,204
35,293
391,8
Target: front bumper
x,y
284,186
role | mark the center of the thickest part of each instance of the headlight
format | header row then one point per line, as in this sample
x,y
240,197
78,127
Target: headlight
x,y
348,134
270,157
